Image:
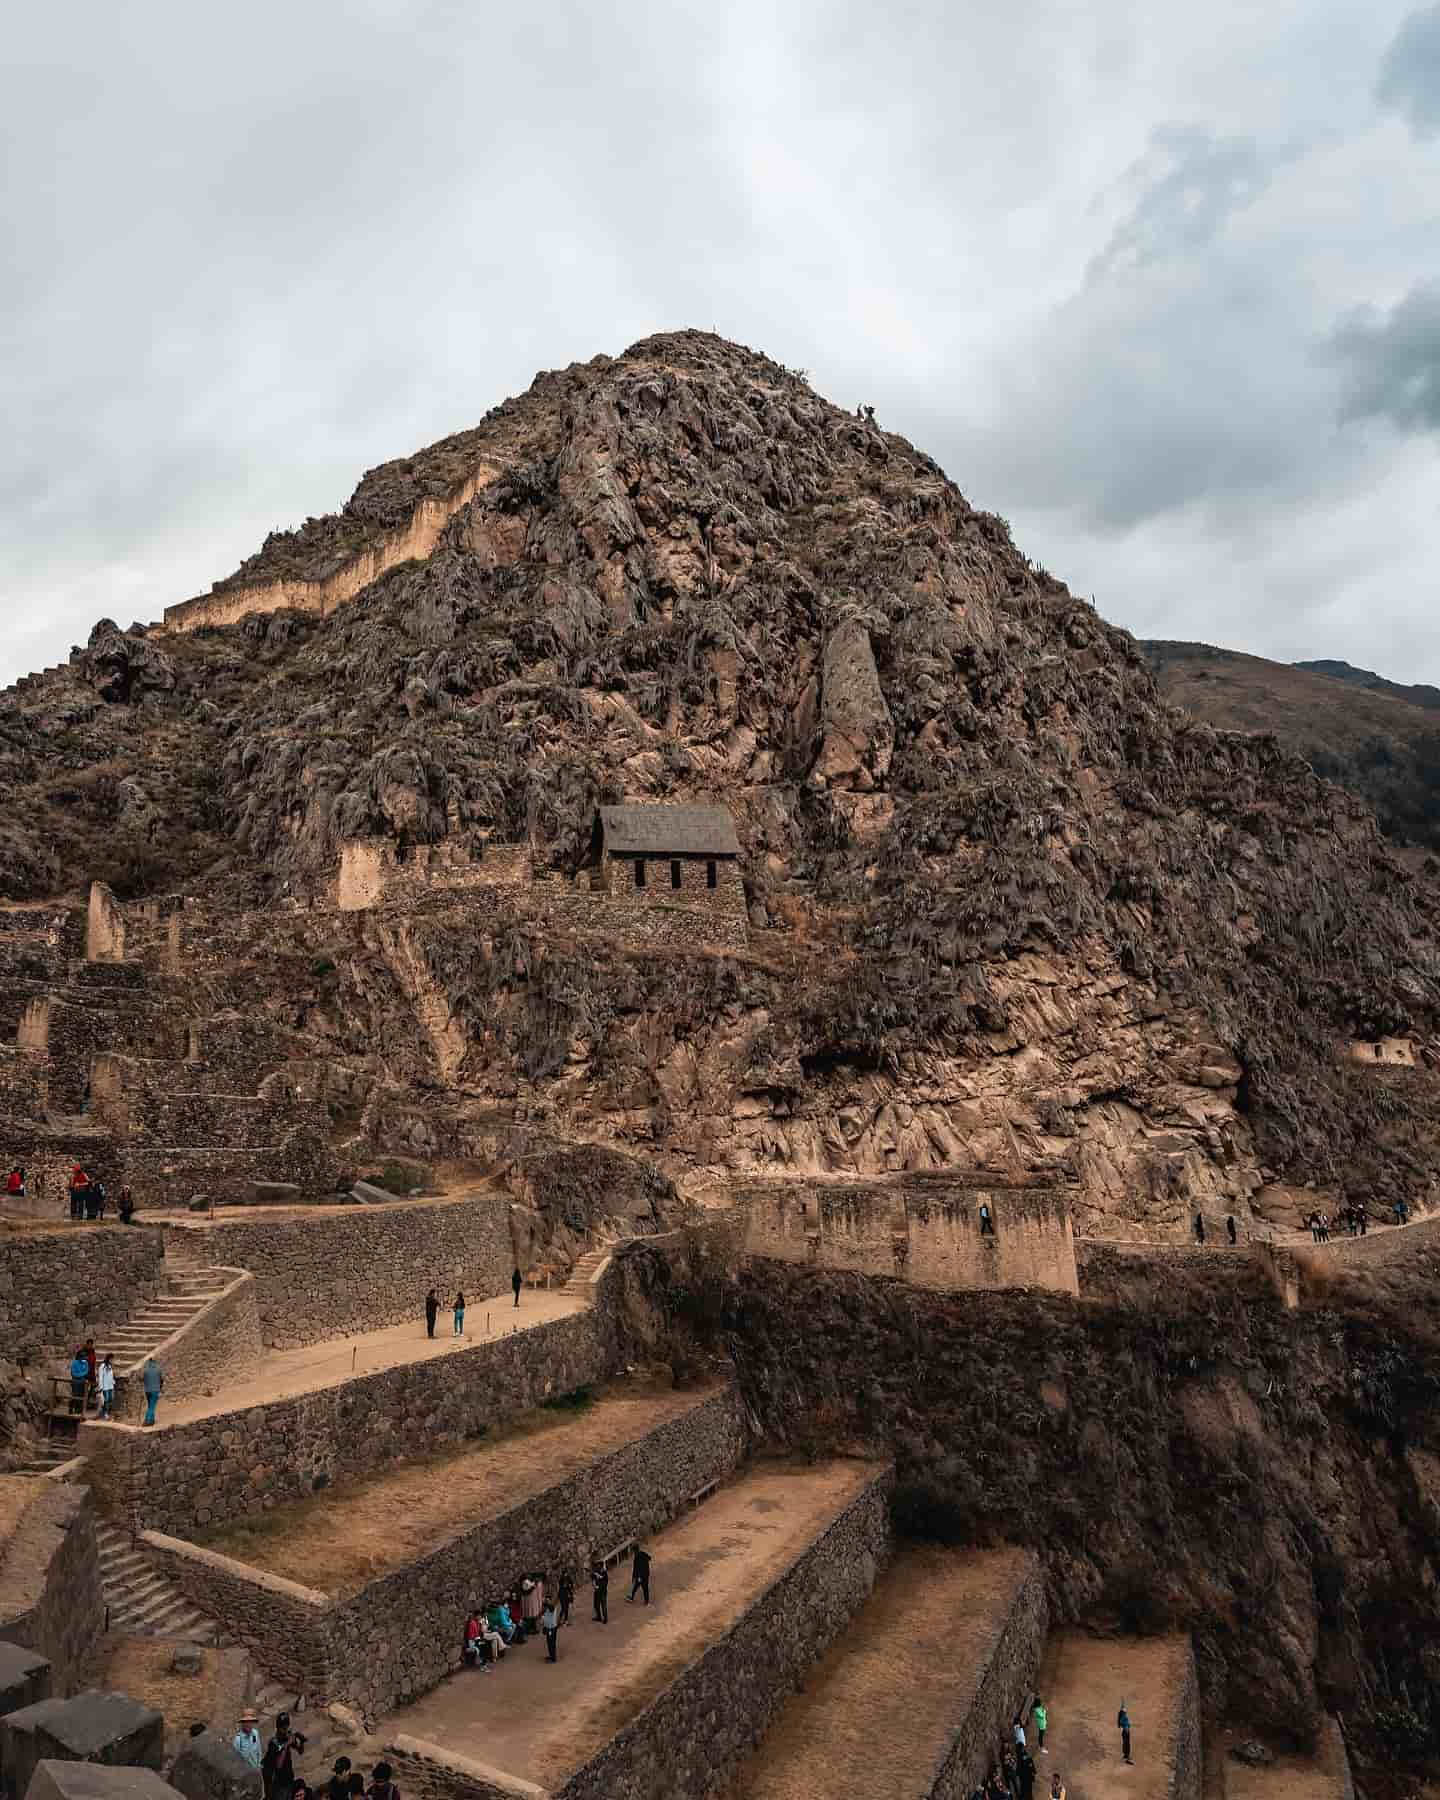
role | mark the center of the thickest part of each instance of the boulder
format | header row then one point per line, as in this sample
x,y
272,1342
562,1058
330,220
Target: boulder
x,y
24,1678
857,731
55,1780
209,1768
87,1728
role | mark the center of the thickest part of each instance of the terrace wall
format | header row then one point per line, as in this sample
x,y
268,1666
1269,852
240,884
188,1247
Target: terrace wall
x,y
379,1647
927,1231
329,1273
178,1479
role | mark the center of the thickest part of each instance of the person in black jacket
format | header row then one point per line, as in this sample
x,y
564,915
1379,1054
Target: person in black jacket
x,y
432,1312
640,1574
600,1591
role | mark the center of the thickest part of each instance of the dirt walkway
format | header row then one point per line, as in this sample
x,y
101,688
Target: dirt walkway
x,y
903,1658
356,1531
287,1372
1082,1681
541,1721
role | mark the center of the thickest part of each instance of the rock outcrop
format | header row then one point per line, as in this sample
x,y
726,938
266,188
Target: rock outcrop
x,y
1006,906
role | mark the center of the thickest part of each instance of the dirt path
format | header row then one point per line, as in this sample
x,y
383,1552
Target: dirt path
x,y
357,1530
903,1658
287,1372
540,1721
1082,1681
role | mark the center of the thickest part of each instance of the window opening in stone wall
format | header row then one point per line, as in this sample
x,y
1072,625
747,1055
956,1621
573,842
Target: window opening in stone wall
x,y
674,874
712,875
639,871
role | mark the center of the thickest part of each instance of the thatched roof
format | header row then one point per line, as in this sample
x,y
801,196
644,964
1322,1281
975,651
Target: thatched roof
x,y
669,831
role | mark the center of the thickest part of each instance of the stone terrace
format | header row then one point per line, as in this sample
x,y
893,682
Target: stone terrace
x,y
950,1643
1083,1679
543,1723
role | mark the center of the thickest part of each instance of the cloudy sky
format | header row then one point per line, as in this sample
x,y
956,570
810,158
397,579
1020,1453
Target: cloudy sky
x,y
1160,284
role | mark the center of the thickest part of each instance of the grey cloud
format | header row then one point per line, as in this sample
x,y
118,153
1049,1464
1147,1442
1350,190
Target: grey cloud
x,y
1410,72
1191,182
1391,361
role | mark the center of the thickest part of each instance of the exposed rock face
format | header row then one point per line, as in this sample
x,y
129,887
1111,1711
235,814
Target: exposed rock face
x,y
1007,906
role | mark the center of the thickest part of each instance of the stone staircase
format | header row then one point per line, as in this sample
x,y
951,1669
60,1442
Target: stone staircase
x,y
584,1272
155,1320
45,1455
141,1601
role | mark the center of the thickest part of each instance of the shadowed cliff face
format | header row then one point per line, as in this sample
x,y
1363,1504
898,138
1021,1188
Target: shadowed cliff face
x,y
1180,1451
1006,905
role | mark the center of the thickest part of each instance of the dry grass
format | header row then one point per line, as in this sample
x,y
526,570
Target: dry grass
x,y
140,1667
16,1494
349,1534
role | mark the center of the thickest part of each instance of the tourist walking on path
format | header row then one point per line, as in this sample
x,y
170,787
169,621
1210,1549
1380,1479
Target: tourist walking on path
x,y
459,1315
246,1741
432,1312
79,1379
125,1204
1199,1228
340,1780
1017,1731
987,1224
1230,1230
517,1281
153,1382
600,1592
566,1596
1057,1788
15,1183
1123,1721
105,1378
640,1574
550,1625
1042,1719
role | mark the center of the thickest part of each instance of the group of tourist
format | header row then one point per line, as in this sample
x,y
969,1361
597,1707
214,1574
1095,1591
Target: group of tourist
x,y
529,1606
282,1779
92,1380
89,1196
1014,1775
1353,1220
457,1309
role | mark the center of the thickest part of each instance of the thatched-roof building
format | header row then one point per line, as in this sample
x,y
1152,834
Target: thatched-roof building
x,y
675,855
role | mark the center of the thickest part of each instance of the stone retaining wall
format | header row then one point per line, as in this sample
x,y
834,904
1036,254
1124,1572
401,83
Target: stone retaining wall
x,y
398,1637
180,1478
50,1599
1184,1758
56,1287
1007,1663
328,1274
388,1646
424,1771
694,1735
285,1624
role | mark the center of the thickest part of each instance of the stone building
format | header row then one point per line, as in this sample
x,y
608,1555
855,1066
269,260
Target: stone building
x,y
668,855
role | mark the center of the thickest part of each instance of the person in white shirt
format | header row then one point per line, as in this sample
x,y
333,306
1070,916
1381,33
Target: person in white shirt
x,y
246,1741
1019,1733
105,1381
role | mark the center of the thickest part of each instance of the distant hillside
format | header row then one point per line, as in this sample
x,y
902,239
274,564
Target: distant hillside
x,y
1420,694
1375,737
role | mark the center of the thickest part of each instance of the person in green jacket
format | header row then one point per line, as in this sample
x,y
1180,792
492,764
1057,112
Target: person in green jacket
x,y
1041,1718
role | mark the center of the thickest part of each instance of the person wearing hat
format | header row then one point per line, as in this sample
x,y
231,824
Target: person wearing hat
x,y
381,1786
246,1741
340,1780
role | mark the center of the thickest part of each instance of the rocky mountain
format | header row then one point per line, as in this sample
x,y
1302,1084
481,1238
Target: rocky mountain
x,y
1377,738
1006,906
